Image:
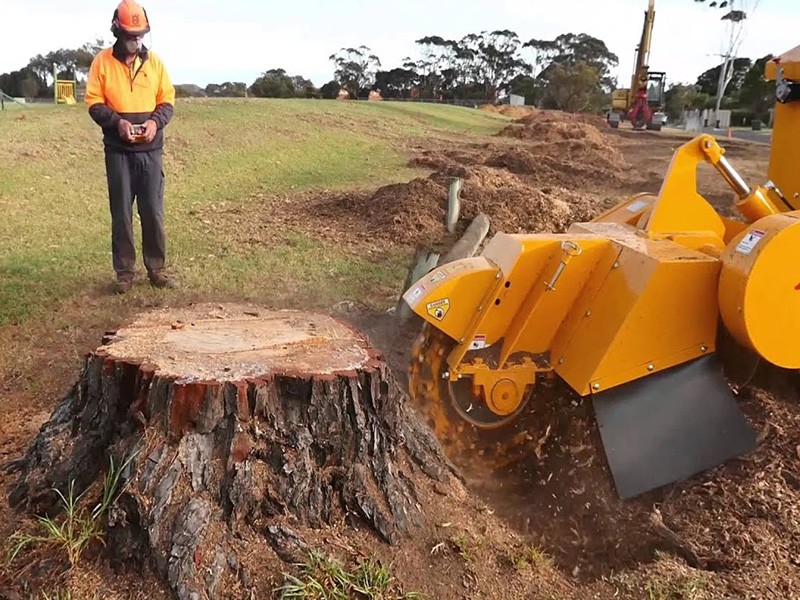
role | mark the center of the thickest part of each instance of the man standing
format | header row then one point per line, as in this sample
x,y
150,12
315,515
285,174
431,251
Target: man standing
x,y
130,96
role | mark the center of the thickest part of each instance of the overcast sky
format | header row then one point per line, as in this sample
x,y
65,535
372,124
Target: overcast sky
x,y
203,41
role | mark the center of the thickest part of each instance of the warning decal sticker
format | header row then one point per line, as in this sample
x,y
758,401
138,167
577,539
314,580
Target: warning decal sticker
x,y
415,294
438,276
439,309
478,342
750,241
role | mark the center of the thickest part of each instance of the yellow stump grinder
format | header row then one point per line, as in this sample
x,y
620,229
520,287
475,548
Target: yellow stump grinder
x,y
627,309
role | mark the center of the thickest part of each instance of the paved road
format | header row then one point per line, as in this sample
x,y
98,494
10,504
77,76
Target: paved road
x,y
765,137
761,137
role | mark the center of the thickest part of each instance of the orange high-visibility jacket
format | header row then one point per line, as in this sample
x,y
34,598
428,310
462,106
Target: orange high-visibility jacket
x,y
115,91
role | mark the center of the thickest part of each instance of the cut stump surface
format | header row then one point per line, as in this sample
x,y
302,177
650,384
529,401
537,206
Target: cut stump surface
x,y
219,343
241,426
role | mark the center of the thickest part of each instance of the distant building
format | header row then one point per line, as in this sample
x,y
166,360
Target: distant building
x,y
514,100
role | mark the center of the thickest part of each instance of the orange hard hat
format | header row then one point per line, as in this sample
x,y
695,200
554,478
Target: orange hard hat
x,y
130,17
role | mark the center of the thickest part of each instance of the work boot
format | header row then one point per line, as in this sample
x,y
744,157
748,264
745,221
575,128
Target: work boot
x,y
161,280
123,285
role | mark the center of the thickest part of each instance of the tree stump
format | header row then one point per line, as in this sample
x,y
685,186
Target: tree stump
x,y
240,424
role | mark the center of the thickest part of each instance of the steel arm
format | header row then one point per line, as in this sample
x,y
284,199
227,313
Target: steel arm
x,y
681,208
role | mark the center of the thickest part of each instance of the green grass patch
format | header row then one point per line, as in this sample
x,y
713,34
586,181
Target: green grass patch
x,y
323,578
55,231
79,527
686,587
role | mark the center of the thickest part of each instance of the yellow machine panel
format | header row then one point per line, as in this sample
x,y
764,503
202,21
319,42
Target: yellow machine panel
x,y
785,151
790,61
759,289
620,99
630,212
655,308
450,296
783,163
680,208
539,291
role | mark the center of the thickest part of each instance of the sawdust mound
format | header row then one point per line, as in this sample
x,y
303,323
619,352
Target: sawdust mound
x,y
444,163
451,158
550,116
554,131
515,207
739,525
404,212
751,511
526,189
570,165
515,112
566,150
529,187
414,212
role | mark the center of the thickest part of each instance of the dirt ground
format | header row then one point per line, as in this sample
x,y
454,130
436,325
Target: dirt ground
x,y
543,520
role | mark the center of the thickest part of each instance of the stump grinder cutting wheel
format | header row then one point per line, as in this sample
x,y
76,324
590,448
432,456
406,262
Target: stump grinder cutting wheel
x,y
627,309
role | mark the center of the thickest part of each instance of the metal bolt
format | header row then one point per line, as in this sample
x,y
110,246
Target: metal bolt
x,y
616,265
588,313
461,341
446,375
561,361
596,387
497,275
459,375
480,308
651,367
708,143
703,348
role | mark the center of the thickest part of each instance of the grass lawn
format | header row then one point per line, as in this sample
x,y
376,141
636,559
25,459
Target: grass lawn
x,y
54,237
55,230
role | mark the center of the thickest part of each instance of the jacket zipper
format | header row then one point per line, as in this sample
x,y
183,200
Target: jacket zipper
x,y
133,78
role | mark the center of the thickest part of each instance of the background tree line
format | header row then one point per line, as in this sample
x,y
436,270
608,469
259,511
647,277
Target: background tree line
x,y
572,72
748,95
35,80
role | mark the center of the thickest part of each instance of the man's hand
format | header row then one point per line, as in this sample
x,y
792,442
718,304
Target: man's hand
x,y
150,130
124,130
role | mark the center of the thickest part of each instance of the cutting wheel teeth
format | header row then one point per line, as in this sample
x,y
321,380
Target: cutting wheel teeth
x,y
432,393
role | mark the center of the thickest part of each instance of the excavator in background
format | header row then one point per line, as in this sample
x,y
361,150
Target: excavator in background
x,y
643,103
631,309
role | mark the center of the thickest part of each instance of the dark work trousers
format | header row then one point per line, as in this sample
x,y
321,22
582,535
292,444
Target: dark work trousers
x,y
139,176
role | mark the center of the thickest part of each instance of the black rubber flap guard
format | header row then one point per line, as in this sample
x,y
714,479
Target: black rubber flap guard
x,y
669,426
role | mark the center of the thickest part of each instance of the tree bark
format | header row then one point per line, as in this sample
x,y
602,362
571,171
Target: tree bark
x,y
240,424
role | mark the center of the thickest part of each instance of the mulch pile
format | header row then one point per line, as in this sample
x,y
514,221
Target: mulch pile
x,y
539,174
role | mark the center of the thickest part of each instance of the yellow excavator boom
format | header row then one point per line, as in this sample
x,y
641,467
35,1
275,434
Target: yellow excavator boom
x,y
641,66
637,102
